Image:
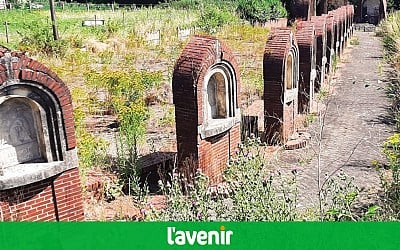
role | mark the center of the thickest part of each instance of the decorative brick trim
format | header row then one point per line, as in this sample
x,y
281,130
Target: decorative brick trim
x,y
16,66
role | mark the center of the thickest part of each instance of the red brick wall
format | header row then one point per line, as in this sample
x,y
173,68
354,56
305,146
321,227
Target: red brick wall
x,y
339,27
343,14
56,198
212,154
320,28
336,24
305,36
330,41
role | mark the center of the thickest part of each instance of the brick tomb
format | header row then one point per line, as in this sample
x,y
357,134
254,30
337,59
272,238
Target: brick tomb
x,y
205,89
306,40
280,71
39,178
321,60
343,17
350,9
330,43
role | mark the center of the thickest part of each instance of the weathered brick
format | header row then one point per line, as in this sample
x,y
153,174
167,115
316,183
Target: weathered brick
x,y
198,56
280,44
40,207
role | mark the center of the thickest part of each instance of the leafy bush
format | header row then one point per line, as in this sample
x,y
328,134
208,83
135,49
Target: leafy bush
x,y
338,194
390,32
260,10
213,17
391,184
112,27
126,93
91,149
38,38
184,4
390,29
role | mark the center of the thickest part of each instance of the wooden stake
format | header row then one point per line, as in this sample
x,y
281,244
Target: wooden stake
x,y
53,20
6,25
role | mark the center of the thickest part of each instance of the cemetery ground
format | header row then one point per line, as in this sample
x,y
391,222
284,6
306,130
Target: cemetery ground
x,y
354,124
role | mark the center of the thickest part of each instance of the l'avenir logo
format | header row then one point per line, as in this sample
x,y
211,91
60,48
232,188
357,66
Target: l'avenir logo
x,y
213,237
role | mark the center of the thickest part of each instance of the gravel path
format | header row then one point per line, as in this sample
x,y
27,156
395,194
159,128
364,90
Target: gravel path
x,y
355,125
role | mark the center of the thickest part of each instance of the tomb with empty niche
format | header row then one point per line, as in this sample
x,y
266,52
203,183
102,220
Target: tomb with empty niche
x,y
39,177
205,88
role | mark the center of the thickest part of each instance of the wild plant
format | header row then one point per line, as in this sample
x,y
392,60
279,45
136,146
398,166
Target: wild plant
x,y
250,192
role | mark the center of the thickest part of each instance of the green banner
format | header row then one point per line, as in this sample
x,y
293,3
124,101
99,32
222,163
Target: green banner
x,y
215,235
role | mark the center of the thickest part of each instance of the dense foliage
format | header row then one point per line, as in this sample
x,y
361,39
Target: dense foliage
x,y
261,10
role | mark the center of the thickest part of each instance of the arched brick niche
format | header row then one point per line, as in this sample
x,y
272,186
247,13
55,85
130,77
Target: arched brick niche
x,y
330,42
281,76
39,178
320,28
205,89
307,43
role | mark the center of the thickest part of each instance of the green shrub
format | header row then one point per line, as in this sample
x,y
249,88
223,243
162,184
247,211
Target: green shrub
x,y
91,149
260,10
75,41
390,29
213,17
390,179
106,56
338,196
113,26
391,185
76,60
126,92
185,4
38,38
